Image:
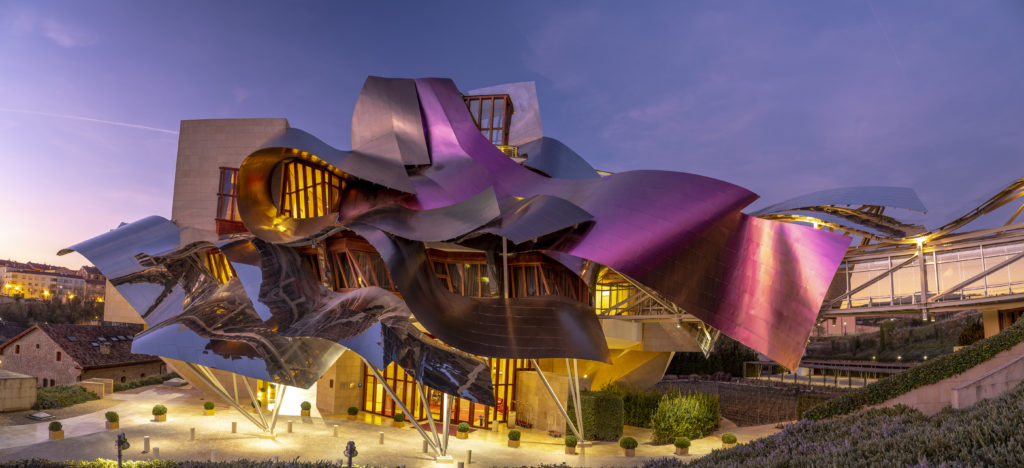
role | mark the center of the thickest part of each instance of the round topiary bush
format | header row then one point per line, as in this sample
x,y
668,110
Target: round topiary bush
x,y
159,409
514,435
399,417
463,427
305,406
682,442
208,405
111,416
628,443
728,438
352,411
571,441
55,426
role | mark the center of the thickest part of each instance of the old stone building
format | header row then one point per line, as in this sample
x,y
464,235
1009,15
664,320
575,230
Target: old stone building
x,y
65,354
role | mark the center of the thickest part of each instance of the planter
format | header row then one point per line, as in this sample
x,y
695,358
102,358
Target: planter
x,y
56,435
160,417
398,424
513,443
629,452
570,450
113,425
725,445
305,412
682,451
461,435
352,417
208,412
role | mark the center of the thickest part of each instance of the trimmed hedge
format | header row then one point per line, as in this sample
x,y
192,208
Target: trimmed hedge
x,y
305,406
728,438
692,416
159,410
463,427
111,416
682,442
143,382
571,441
986,434
208,405
637,405
514,434
928,373
60,396
602,415
352,411
55,426
628,443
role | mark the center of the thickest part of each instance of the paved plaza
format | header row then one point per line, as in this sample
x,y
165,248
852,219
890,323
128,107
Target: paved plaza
x,y
311,439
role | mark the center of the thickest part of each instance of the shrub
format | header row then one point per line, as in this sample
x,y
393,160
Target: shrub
x,y
159,409
305,406
728,438
627,443
111,416
602,415
681,442
514,435
571,441
208,405
463,427
55,426
145,381
927,373
691,416
970,334
399,417
352,411
637,405
60,396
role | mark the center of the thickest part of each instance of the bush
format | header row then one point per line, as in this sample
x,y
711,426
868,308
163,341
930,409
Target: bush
x,y
399,417
305,406
145,381
111,416
352,411
60,396
159,409
208,405
463,427
571,441
728,438
691,416
970,334
681,442
637,405
55,426
514,435
602,415
628,443
931,371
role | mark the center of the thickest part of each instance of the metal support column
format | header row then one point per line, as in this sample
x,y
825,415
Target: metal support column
x,y
400,405
924,280
446,405
558,403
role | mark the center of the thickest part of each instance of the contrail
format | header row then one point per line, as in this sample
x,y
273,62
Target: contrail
x,y
89,119
888,40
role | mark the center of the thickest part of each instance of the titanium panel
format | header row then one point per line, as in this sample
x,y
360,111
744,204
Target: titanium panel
x,y
553,158
895,197
386,122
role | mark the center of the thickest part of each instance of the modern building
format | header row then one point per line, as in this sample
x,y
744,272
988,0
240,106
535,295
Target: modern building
x,y
66,354
503,270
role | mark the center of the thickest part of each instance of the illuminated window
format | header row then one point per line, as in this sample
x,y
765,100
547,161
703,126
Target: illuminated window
x,y
309,191
492,115
218,265
227,195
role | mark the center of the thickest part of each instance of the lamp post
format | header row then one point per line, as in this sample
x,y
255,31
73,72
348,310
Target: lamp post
x,y
122,444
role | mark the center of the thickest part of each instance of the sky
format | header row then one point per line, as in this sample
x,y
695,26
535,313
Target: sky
x,y
783,98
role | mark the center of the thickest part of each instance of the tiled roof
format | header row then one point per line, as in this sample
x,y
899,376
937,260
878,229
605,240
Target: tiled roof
x,y
9,330
76,340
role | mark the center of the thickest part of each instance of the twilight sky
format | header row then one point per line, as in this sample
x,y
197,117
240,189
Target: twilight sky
x,y
783,98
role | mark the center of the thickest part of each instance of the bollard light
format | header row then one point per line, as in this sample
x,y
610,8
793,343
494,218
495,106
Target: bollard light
x,y
145,444
234,427
381,442
191,433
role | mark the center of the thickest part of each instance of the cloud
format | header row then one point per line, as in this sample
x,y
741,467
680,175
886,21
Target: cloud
x,y
65,35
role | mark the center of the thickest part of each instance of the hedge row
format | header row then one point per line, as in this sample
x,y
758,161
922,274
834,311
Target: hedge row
x,y
60,396
927,373
151,380
602,415
637,405
986,434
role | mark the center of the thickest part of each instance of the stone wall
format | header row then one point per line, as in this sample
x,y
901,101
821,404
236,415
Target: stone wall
x,y
750,403
341,386
121,374
35,354
17,391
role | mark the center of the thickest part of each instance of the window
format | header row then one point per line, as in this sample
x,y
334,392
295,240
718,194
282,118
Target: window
x,y
308,190
58,355
227,195
218,265
492,115
142,375
17,349
123,379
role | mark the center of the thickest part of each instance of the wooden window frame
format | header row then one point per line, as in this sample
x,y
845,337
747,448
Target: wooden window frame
x,y
308,190
506,116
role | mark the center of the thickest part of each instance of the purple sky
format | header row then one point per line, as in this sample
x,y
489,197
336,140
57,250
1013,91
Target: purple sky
x,y
783,98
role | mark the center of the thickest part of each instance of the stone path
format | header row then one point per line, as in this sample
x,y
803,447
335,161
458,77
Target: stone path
x,y
311,439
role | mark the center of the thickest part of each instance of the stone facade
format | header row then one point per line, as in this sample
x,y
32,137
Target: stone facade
x,y
36,354
341,386
17,391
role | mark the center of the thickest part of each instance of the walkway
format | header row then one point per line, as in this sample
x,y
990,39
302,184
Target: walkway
x,y
312,438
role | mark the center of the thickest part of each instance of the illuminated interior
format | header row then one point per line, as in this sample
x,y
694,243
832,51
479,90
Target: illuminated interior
x,y
308,190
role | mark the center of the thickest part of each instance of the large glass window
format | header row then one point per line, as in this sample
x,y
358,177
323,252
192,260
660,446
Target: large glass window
x,y
492,115
227,195
308,190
